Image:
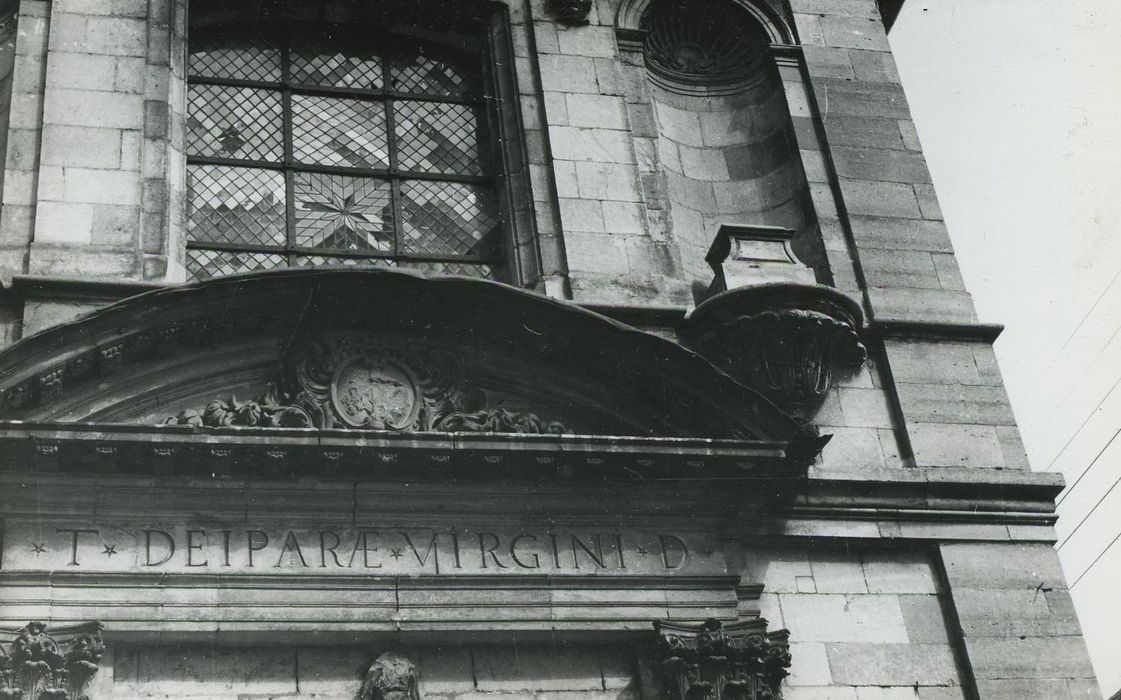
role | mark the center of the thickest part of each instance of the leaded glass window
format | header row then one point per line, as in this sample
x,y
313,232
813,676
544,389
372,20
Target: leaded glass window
x,y
314,143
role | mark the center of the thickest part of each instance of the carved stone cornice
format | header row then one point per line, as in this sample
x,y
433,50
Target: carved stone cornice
x,y
788,341
717,661
35,664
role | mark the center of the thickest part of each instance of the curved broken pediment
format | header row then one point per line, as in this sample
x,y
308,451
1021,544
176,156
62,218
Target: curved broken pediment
x,y
373,350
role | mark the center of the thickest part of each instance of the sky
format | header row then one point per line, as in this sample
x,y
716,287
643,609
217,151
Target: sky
x,y
1018,106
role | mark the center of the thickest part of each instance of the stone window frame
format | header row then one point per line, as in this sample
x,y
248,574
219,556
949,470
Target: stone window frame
x,y
521,264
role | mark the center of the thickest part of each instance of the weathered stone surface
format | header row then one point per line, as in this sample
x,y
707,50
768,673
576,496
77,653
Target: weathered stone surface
x,y
892,664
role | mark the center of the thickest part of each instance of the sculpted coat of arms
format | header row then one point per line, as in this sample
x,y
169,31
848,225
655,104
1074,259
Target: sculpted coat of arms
x,y
354,381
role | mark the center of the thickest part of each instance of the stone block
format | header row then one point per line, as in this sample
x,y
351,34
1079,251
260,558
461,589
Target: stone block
x,y
1031,657
564,174
587,41
70,260
947,445
942,693
703,163
23,149
691,193
582,215
909,135
680,125
608,181
83,147
844,618
595,252
899,268
900,234
875,198
39,315
854,32
928,201
810,664
130,75
829,62
918,362
859,98
922,304
208,671
1002,566
853,447
90,108
892,664
556,108
922,615
600,145
881,164
596,111
63,222
776,570
623,217
840,8
899,572
445,670
1018,612
886,693
875,66
1019,689
82,71
335,671
809,29
865,132
949,274
839,572
956,403
865,408
119,8
545,36
558,667
567,74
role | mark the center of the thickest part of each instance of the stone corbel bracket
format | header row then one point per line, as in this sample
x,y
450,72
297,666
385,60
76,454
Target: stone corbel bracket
x,y
36,664
573,13
390,677
789,341
717,661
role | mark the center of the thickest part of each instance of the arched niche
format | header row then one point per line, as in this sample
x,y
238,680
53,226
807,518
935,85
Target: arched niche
x,y
726,140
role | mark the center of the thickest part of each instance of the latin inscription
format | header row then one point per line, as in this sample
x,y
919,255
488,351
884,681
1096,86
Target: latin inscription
x,y
358,550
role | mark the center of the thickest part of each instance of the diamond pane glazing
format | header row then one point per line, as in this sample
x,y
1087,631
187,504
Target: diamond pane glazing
x,y
204,264
437,137
454,268
242,57
449,218
343,213
343,133
340,62
235,205
308,260
234,122
425,74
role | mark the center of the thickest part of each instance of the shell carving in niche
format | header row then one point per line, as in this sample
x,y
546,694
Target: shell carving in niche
x,y
706,43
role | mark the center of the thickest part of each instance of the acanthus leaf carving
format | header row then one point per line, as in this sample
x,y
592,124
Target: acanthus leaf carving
x,y
714,661
49,666
355,382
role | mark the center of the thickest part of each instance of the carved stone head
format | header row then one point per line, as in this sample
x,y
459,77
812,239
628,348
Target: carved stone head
x,y
390,677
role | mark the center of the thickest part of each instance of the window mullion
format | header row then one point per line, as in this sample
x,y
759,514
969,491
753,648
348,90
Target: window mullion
x,y
289,156
391,143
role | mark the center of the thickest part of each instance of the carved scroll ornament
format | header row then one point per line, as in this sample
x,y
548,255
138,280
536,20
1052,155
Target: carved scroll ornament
x,y
36,665
714,661
353,381
390,677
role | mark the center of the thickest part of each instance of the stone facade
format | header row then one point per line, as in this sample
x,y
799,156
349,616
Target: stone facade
x,y
909,555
